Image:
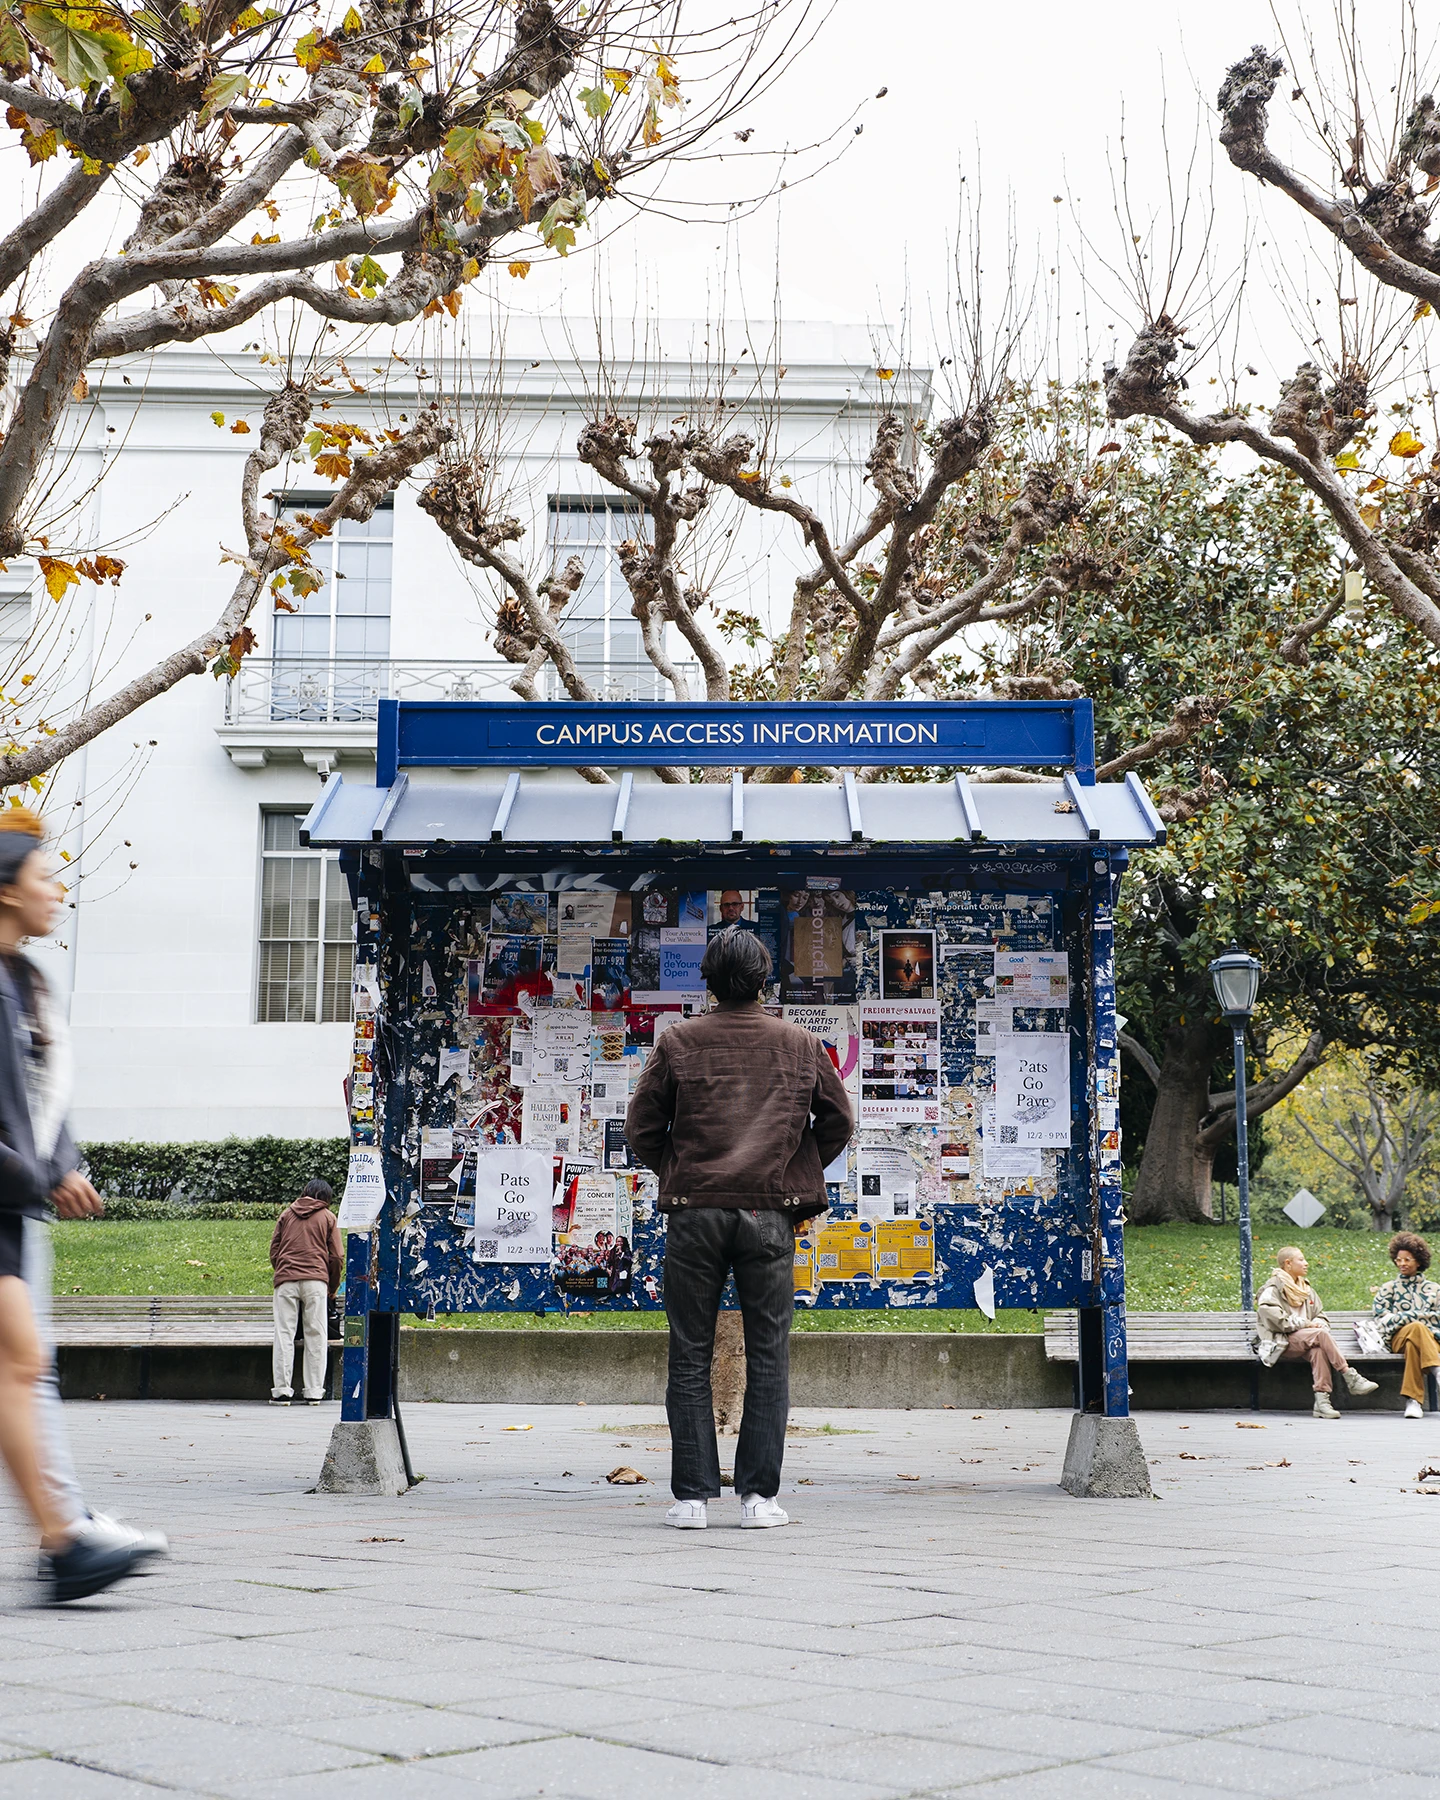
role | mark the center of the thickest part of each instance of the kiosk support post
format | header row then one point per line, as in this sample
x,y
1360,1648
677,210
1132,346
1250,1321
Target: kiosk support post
x,y
1104,1458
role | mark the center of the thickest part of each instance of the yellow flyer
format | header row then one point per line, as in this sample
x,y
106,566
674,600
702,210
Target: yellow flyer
x,y
807,1284
904,1250
845,1251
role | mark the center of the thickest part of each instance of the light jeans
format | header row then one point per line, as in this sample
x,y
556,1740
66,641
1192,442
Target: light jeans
x,y
307,1300
37,1267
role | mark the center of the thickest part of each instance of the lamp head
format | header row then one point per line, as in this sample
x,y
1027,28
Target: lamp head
x,y
1236,976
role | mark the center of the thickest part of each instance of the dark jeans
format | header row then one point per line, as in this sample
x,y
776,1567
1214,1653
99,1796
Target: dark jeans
x,y
701,1249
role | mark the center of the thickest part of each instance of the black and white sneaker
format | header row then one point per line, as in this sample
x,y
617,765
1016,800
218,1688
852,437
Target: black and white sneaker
x,y
85,1567
100,1528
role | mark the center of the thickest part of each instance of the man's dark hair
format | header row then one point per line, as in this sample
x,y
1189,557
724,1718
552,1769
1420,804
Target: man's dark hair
x,y
1418,1248
735,965
318,1190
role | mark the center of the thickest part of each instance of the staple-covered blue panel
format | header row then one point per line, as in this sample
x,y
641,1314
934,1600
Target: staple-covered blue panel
x,y
445,926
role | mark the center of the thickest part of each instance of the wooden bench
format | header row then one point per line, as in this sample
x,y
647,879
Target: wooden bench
x,y
184,1320
1204,1337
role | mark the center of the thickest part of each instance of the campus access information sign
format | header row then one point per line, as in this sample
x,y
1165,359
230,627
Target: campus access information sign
x,y
461,734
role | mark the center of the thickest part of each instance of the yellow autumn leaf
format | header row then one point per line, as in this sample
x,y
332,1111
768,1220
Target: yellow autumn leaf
x,y
619,79
375,66
885,374
352,22
1371,516
1347,460
219,418
749,474
240,428
59,576
1405,443
522,269
469,269
1423,310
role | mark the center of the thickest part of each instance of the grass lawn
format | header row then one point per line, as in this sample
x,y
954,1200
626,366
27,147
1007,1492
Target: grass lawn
x,y
1171,1268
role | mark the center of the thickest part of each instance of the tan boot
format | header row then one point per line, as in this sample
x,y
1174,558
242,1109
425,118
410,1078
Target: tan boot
x,y
1322,1408
1356,1383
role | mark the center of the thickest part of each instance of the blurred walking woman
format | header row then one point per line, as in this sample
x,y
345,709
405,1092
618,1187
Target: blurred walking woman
x,y
37,1169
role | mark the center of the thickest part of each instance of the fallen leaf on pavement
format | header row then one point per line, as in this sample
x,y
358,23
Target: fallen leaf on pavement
x,y
1428,1472
907,1477
1190,1456
1246,1425
519,1427
1284,1463
379,1540
625,1476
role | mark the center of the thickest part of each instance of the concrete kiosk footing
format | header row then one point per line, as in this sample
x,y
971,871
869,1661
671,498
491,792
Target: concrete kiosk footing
x,y
363,1458
1104,1460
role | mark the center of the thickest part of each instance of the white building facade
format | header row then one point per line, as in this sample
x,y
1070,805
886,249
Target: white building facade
x,y
207,956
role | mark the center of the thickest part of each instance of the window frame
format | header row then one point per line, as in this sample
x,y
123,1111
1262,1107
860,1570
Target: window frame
x,y
612,506
326,553
330,872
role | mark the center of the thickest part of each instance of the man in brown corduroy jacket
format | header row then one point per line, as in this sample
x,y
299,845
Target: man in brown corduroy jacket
x,y
307,1257
738,1113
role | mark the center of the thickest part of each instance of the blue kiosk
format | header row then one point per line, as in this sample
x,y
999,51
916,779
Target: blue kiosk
x,y
526,926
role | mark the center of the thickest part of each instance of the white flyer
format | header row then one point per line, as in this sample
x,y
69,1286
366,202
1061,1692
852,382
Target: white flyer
x,y
455,1062
1033,977
513,1208
364,1190
838,1029
560,1047
595,1209
611,1085
521,1043
900,1062
886,1183
992,1016
1001,1157
550,1120
1032,1087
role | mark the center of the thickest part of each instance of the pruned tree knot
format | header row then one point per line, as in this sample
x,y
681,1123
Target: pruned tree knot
x,y
454,495
1320,422
1420,141
1244,97
1147,380
190,186
1051,682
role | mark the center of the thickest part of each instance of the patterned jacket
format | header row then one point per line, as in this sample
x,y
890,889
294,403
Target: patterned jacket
x,y
1404,1301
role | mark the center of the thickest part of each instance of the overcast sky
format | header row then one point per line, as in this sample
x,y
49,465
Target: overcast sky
x,y
1030,103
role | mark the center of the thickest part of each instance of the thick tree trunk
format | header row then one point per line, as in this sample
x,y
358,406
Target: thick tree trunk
x,y
1174,1179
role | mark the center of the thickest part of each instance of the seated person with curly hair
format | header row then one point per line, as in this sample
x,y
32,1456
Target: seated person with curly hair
x,y
1407,1315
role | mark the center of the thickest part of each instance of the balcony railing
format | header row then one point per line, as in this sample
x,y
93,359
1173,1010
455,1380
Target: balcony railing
x,y
347,690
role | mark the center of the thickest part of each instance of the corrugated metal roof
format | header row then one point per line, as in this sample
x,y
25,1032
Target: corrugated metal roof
x,y
521,811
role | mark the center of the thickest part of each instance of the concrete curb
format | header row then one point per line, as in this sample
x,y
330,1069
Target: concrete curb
x,y
840,1368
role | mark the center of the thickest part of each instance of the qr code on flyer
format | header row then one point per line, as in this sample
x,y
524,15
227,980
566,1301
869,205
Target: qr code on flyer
x,y
1009,1134
487,1247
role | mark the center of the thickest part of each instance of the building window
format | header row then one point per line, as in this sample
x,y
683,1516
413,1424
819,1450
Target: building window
x,y
331,652
307,943
598,629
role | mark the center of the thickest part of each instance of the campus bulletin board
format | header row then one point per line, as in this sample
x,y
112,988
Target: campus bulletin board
x,y
520,1005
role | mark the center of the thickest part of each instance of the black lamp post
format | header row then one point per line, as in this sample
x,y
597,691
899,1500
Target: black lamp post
x,y
1237,981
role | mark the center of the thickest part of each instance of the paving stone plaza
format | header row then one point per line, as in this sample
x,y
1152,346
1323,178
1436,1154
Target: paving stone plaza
x,y
940,1618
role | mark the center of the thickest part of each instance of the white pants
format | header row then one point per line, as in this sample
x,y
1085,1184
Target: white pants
x,y
58,1467
307,1300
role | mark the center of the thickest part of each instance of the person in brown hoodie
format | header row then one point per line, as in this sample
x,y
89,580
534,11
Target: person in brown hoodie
x,y
307,1257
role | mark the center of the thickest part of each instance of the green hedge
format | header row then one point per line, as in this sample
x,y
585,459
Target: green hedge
x,y
238,1178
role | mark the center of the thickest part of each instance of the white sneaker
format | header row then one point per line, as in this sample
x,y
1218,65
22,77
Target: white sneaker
x,y
687,1515
100,1528
1414,1410
757,1513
